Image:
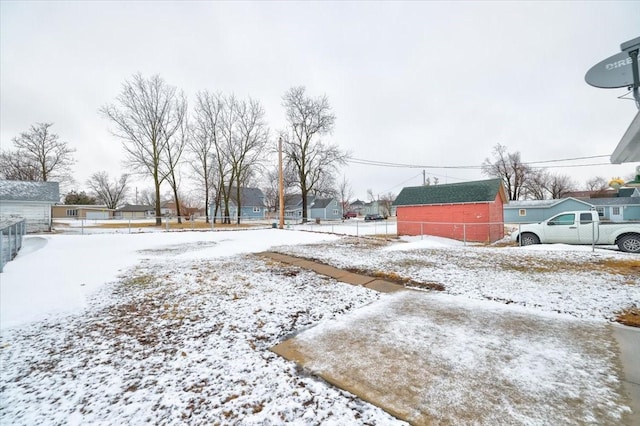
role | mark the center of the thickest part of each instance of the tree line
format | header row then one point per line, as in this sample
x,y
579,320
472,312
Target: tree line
x,y
524,182
223,143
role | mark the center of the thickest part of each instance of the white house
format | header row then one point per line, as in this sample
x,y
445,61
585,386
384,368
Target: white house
x,y
31,201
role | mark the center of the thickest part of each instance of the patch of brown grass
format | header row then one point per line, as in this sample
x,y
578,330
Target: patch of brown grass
x,y
625,267
630,317
622,266
399,279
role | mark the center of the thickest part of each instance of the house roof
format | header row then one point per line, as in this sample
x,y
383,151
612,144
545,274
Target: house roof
x,y
249,197
321,203
533,204
627,192
618,201
294,201
135,208
451,193
83,206
13,190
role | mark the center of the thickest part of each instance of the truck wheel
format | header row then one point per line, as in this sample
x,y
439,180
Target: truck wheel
x,y
629,243
528,239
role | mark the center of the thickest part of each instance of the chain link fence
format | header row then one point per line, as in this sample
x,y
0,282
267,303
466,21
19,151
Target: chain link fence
x,y
11,233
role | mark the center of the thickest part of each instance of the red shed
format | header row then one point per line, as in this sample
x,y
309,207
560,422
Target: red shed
x,y
469,211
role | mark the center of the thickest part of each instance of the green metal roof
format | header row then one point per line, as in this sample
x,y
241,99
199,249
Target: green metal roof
x,y
451,193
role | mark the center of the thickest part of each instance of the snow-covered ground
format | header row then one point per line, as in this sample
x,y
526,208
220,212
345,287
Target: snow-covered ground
x,y
547,277
174,327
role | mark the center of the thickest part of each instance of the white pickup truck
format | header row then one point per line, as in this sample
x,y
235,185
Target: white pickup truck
x,y
580,227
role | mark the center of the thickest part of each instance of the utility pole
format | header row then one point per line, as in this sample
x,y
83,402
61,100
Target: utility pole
x,y
424,177
280,183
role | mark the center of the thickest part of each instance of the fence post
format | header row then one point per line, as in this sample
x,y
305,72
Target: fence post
x,y
520,235
10,249
20,233
464,233
593,235
1,250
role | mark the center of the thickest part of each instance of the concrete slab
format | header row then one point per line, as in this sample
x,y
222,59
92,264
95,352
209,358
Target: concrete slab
x,y
356,279
432,358
302,263
385,286
329,271
628,339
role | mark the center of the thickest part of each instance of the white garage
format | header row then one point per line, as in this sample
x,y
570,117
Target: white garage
x,y
97,214
31,201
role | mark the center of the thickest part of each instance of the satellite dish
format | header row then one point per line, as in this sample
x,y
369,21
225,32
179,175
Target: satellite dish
x,y
614,72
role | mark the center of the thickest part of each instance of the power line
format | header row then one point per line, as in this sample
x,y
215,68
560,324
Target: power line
x,y
475,167
568,159
574,165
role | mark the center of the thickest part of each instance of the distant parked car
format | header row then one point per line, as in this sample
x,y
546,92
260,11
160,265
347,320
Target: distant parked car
x,y
369,217
349,215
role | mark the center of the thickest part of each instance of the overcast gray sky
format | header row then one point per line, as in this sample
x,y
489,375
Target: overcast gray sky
x,y
426,83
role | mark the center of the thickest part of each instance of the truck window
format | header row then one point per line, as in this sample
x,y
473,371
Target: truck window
x,y
585,218
563,219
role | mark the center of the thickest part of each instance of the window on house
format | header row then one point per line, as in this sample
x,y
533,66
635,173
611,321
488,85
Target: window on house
x,y
600,211
299,214
335,212
615,211
522,212
256,209
72,212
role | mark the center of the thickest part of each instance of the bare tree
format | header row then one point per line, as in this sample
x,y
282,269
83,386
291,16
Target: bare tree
x,y
597,183
203,141
541,185
109,192
345,192
370,195
536,186
508,167
13,166
229,138
559,185
40,149
173,153
386,201
270,185
247,147
147,197
308,120
147,116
